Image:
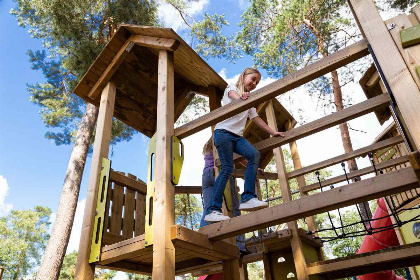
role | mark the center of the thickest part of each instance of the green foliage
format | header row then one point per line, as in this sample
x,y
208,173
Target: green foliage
x,y
402,5
188,213
73,33
69,266
23,237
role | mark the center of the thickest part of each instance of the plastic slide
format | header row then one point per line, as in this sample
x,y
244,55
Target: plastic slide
x,y
380,240
217,276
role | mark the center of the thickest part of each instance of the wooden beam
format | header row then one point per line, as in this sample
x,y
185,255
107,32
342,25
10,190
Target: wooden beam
x,y
110,69
294,80
231,269
391,258
84,270
295,242
156,42
357,173
122,180
240,173
164,198
401,82
336,118
342,158
126,249
129,267
390,183
188,189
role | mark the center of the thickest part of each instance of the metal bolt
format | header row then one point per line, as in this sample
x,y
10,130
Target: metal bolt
x,y
146,243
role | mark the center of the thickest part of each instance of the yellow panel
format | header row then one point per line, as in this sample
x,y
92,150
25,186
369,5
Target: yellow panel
x,y
177,159
148,234
407,229
95,249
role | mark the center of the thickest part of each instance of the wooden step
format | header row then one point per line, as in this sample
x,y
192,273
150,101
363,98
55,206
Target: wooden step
x,y
391,258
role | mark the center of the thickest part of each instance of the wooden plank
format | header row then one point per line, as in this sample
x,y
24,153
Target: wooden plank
x,y
342,158
110,70
126,249
386,184
391,258
240,173
156,42
401,82
191,240
139,225
164,198
115,223
336,118
358,173
110,238
294,80
231,269
296,243
188,189
84,270
252,258
129,206
135,185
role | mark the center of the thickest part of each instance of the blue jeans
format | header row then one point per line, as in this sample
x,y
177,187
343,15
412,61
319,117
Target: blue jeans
x,y
228,143
207,181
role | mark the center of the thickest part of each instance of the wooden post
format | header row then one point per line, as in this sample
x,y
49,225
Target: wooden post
x,y
402,84
84,270
296,243
164,199
267,266
243,272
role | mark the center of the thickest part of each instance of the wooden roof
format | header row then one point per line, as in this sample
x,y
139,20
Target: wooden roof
x,y
372,86
255,134
134,69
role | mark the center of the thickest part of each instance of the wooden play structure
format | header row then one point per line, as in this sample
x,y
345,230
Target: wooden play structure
x,y
146,76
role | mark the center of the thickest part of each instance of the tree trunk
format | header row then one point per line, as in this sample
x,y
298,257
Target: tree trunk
x,y
347,145
57,244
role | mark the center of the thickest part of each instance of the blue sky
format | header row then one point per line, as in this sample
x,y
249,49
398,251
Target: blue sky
x,y
34,168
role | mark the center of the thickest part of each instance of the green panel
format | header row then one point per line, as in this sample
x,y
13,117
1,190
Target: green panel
x,y
98,227
407,229
148,234
390,155
227,195
410,36
381,152
177,159
418,70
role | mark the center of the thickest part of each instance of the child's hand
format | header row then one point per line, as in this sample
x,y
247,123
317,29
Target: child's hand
x,y
278,134
245,95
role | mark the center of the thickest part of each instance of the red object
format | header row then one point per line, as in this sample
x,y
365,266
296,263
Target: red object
x,y
217,276
380,240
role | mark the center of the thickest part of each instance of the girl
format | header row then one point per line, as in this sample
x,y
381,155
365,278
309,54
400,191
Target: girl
x,y
228,139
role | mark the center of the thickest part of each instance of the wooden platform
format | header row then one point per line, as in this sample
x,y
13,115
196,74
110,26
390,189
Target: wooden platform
x,y
391,258
193,252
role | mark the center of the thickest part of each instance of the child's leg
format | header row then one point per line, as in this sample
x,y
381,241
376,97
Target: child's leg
x,y
207,185
224,142
246,149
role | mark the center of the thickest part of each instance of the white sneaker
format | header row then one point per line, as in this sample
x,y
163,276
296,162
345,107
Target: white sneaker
x,y
215,216
253,204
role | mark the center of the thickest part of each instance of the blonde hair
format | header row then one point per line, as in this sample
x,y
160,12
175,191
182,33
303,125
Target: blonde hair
x,y
240,82
208,147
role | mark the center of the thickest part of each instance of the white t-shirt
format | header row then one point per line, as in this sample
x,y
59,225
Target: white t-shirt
x,y
235,124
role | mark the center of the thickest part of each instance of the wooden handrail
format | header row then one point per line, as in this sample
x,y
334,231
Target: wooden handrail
x,y
344,157
292,81
334,119
357,173
120,179
390,183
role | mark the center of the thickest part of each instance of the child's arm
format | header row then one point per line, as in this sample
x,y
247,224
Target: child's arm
x,y
266,128
235,96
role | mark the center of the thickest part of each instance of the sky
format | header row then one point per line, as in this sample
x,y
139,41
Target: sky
x,y
32,168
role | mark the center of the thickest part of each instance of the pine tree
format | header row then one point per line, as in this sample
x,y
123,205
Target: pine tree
x,y
73,34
